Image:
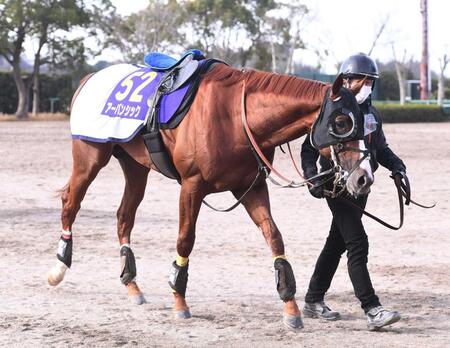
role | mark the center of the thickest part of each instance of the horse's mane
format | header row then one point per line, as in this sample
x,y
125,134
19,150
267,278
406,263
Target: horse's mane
x,y
261,81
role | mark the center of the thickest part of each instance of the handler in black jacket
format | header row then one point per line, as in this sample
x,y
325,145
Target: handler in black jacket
x,y
347,231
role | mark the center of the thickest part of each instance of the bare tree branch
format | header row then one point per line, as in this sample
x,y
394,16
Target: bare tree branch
x,y
377,36
400,70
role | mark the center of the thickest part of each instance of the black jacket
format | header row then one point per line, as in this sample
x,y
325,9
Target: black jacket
x,y
375,142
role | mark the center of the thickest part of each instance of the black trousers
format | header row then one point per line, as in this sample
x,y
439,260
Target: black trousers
x,y
346,233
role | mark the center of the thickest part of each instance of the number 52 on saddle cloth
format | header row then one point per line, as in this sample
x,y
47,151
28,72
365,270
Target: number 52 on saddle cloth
x,y
119,101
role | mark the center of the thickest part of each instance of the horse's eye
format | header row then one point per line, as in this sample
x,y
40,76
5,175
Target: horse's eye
x,y
343,124
340,124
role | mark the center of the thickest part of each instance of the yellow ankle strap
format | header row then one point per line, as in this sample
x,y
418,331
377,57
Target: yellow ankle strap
x,y
280,257
181,261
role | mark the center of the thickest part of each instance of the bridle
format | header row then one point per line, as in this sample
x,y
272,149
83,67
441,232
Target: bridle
x,y
341,175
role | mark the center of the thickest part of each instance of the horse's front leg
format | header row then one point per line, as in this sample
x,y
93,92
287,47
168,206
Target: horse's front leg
x,y
135,183
257,204
191,196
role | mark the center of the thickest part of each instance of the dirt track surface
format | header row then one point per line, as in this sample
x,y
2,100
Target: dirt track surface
x,y
231,288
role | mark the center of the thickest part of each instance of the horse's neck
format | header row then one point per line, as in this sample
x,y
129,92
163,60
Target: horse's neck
x,y
276,118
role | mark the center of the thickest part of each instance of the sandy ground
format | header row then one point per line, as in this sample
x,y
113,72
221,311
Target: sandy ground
x,y
231,288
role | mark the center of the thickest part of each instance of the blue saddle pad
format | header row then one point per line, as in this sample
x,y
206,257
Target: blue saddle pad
x,y
161,62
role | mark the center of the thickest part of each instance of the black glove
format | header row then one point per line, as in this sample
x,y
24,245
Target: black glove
x,y
401,172
400,176
316,191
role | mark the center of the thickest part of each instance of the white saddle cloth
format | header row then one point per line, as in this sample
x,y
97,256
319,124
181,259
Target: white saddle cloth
x,y
88,120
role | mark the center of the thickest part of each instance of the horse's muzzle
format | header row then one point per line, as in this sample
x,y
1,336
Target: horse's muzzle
x,y
359,182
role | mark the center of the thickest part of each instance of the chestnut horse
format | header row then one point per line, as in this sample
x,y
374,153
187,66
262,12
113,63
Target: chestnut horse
x,y
207,143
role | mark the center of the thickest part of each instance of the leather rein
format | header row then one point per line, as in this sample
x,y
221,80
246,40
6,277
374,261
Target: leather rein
x,y
403,191
337,174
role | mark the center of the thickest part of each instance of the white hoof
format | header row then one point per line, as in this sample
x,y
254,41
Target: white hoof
x,y
183,314
56,274
137,299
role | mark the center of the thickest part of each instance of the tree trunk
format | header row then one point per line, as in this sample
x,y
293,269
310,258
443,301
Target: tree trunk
x,y
401,82
36,68
441,88
14,61
441,79
36,79
22,110
36,97
289,62
424,61
243,56
274,56
290,59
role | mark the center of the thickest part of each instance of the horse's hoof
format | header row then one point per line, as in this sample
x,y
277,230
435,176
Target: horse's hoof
x,y
292,322
183,314
137,299
56,274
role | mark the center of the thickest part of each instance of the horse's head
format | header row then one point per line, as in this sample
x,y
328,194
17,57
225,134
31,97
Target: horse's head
x,y
338,133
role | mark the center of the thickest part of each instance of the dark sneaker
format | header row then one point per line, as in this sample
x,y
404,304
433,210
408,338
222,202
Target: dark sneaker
x,y
378,317
320,310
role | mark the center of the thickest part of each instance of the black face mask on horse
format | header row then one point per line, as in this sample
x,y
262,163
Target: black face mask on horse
x,y
340,120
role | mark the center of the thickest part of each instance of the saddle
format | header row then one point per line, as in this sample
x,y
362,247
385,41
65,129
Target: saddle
x,y
178,74
162,62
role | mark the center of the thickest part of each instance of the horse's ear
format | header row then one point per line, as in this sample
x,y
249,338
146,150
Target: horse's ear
x,y
336,88
356,86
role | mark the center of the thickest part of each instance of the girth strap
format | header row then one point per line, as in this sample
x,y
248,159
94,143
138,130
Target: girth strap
x,y
240,198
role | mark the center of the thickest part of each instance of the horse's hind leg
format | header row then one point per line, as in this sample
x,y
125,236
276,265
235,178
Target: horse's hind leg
x,y
135,182
88,159
191,196
257,204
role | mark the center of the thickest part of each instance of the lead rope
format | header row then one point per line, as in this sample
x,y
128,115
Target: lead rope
x,y
347,201
403,192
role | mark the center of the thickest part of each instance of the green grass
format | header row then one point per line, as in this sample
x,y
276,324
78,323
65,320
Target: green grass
x,y
393,113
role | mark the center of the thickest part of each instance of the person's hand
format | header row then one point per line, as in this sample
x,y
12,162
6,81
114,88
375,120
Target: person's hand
x,y
401,179
399,173
316,191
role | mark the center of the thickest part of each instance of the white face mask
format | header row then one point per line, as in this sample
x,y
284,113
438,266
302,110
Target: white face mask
x,y
363,94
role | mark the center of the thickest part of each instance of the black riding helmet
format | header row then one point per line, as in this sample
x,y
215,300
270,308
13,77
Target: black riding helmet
x,y
358,65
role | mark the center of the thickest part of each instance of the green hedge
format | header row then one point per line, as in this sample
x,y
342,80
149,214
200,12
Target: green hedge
x,y
394,113
51,86
8,94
